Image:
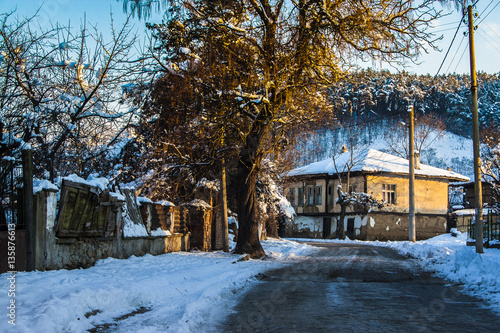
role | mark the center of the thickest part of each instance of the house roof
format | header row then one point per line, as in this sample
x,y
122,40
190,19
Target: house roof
x,y
371,161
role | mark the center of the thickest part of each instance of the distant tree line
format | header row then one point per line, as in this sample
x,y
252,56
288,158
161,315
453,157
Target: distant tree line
x,y
370,95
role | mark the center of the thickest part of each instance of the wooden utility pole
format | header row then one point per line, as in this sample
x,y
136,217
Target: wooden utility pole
x,y
475,137
223,203
411,158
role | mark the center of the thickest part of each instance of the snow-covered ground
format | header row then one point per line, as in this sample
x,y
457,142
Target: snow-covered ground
x,y
448,257
180,292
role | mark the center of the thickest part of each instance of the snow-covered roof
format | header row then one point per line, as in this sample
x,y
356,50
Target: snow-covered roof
x,y
371,161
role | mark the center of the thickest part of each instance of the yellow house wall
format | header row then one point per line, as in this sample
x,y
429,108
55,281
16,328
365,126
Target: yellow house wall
x,y
431,195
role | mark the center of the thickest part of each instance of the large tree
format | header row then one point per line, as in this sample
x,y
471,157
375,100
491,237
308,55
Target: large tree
x,y
257,68
61,90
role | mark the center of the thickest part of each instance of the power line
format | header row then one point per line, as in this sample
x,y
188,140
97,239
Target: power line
x,y
483,18
487,40
459,60
491,29
456,52
490,38
449,48
442,25
443,30
480,15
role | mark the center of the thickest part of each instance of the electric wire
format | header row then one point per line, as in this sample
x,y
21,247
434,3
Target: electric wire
x,y
483,18
442,25
449,48
456,52
443,30
486,8
491,30
460,60
487,40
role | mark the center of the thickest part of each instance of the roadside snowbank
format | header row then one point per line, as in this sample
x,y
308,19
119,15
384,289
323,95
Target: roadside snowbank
x,y
448,257
178,292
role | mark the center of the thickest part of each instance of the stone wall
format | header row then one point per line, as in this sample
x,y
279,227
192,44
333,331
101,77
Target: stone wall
x,y
386,226
380,226
58,253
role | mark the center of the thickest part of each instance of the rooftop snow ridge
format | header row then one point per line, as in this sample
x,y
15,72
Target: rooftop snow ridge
x,y
371,161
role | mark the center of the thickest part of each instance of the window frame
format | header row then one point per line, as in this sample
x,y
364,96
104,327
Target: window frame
x,y
318,195
310,195
300,196
389,193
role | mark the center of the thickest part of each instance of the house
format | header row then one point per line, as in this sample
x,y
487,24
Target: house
x,y
312,192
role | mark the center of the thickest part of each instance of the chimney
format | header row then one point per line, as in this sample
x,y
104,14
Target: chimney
x,y
344,149
417,160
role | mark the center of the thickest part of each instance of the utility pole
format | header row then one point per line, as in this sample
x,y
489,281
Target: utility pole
x,y
475,137
411,141
223,203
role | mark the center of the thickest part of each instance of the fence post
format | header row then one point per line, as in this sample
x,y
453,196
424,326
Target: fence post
x,y
28,211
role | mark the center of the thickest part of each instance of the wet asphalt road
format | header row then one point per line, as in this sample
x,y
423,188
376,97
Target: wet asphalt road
x,y
356,288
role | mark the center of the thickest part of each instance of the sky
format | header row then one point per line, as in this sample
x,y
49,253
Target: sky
x,y
487,35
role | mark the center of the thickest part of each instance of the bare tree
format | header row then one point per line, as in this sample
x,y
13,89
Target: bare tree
x,y
63,92
428,129
352,155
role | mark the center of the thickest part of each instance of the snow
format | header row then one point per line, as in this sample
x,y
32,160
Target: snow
x,y
160,232
40,185
184,50
141,200
164,203
200,204
99,182
131,229
183,291
118,196
63,46
450,258
371,160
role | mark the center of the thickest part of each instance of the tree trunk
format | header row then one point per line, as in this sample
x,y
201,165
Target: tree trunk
x,y
248,213
343,207
340,223
250,157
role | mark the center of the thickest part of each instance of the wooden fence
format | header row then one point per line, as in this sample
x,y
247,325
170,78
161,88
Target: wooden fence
x,y
491,231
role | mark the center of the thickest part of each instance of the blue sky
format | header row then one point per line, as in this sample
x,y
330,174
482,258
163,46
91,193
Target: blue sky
x,y
487,36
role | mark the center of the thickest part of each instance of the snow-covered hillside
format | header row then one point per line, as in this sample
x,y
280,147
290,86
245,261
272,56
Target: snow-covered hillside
x,y
449,150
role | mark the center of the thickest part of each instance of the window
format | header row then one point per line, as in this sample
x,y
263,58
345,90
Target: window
x,y
352,188
291,197
330,195
300,196
310,195
389,193
319,195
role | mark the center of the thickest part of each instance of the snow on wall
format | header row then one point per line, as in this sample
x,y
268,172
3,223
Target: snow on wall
x,y
40,185
130,229
51,212
313,226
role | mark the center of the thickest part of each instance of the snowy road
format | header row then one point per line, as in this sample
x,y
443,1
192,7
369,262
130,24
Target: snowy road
x,y
356,288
